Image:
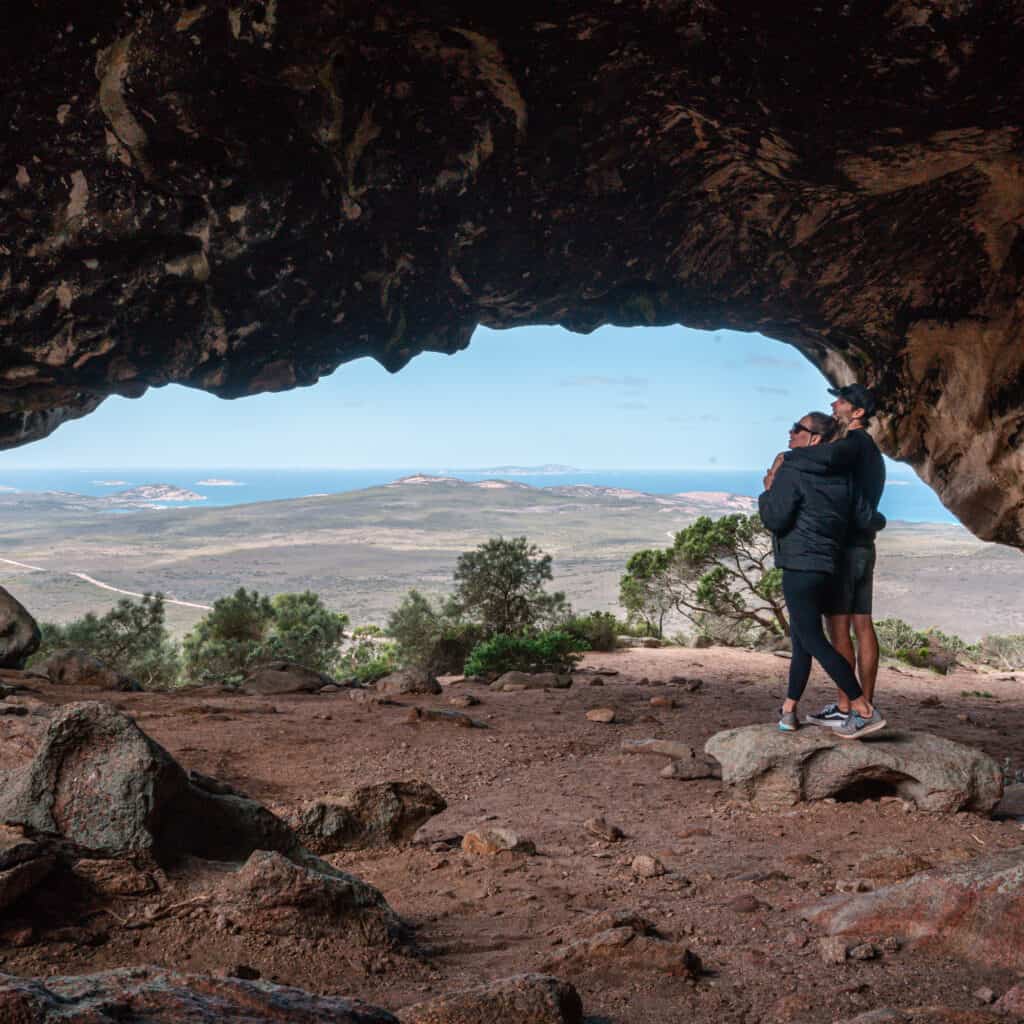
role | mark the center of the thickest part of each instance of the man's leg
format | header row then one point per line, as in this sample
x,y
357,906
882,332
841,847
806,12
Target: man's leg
x,y
867,654
839,634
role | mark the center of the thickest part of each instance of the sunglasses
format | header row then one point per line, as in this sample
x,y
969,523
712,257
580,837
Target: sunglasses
x,y
797,427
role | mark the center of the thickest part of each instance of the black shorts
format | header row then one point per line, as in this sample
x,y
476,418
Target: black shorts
x,y
853,583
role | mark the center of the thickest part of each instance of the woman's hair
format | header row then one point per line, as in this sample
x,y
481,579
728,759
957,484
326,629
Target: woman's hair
x,y
822,424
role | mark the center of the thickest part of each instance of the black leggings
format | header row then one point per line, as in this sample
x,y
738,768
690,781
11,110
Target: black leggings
x,y
805,594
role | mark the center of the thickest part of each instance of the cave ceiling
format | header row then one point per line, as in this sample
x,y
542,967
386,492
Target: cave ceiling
x,y
240,196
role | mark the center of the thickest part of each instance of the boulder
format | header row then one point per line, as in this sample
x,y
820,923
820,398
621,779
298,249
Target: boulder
x,y
624,940
510,681
408,680
96,781
19,633
775,769
521,999
272,895
378,816
489,842
22,877
973,910
79,668
158,996
277,678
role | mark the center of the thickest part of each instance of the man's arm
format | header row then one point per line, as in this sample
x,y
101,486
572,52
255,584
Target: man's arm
x,y
839,455
778,505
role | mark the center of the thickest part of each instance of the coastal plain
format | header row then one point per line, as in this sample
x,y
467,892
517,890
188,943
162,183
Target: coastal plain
x,y
362,550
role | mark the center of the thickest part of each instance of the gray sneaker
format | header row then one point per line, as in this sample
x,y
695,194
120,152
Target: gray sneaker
x,y
788,722
855,727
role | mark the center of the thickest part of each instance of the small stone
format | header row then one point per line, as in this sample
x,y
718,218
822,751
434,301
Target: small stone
x,y
984,995
464,700
691,833
644,682
600,827
863,951
745,904
891,944
662,702
489,842
646,866
597,681
605,715
832,950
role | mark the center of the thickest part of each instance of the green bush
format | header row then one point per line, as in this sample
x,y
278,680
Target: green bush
x,y
432,636
929,648
1003,652
305,631
367,630
247,629
553,651
367,660
598,629
131,638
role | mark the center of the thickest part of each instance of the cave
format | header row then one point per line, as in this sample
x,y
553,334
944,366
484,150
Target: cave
x,y
241,195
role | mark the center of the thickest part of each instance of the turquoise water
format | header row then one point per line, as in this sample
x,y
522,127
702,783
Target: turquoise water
x,y
906,497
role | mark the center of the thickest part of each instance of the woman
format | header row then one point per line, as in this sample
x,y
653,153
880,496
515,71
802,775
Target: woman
x,y
810,509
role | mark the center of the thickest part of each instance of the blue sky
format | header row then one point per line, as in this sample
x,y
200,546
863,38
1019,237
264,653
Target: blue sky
x,y
652,398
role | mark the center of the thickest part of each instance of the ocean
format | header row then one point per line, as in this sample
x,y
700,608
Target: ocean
x,y
906,497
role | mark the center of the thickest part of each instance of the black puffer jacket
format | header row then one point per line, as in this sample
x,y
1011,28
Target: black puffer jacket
x,y
812,511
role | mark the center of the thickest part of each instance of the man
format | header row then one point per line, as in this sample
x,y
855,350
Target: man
x,y
850,602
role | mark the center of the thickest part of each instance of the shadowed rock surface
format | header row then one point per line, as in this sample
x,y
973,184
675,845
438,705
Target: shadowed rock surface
x,y
79,668
408,680
227,197
19,633
973,910
280,677
522,999
776,769
510,681
158,996
387,814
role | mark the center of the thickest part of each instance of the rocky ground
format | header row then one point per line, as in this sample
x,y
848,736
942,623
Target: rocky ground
x,y
695,869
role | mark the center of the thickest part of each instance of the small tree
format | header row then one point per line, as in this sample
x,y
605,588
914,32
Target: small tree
x,y
433,636
715,570
131,638
500,584
642,594
305,631
228,642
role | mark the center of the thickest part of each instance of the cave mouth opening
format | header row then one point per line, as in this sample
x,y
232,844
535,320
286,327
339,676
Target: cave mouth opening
x,y
867,790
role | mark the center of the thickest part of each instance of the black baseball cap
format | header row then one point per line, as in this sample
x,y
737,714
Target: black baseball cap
x,y
858,396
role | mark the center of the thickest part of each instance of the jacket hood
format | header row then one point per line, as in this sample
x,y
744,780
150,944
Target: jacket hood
x,y
818,460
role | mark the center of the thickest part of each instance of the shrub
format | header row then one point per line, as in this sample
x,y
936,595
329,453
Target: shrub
x,y
131,638
367,630
598,629
432,636
246,629
553,651
367,660
1004,652
305,631
930,648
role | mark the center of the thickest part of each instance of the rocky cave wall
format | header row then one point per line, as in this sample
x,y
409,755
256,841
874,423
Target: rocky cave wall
x,y
240,195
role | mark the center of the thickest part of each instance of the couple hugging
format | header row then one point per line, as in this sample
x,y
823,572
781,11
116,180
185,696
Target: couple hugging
x,y
821,504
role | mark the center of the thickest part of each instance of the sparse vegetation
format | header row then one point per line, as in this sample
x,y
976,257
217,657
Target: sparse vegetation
x,y
717,574
248,628
500,586
1002,652
131,638
551,651
597,629
432,635
366,660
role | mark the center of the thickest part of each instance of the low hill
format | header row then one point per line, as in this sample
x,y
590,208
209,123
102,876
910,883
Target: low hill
x,y
363,549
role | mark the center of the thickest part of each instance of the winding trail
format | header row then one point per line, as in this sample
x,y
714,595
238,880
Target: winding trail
x,y
105,586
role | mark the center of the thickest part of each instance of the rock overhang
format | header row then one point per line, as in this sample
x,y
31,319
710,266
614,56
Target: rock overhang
x,y
241,196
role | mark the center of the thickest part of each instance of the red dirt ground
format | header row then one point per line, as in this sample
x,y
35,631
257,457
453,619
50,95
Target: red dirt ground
x,y
542,769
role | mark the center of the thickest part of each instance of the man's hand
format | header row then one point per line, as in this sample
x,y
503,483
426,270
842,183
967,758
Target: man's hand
x,y
769,477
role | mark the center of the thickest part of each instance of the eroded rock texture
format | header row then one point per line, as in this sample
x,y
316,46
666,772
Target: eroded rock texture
x,y
239,195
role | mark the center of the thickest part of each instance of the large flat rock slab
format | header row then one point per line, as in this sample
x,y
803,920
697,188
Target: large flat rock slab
x,y
776,769
158,996
973,910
